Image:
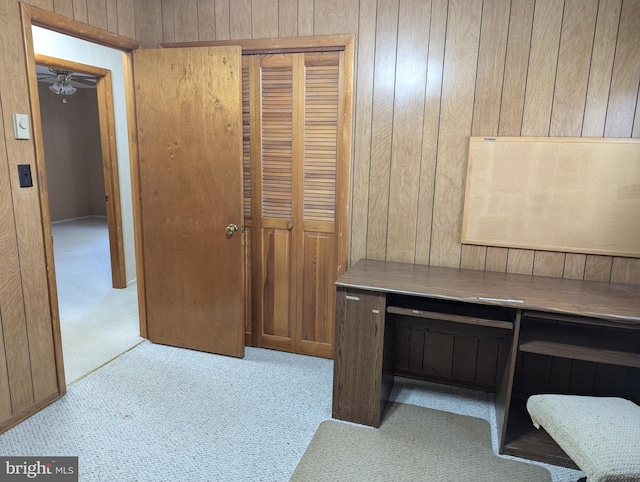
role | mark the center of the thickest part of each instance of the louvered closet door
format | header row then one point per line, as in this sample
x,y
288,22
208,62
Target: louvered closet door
x,y
295,148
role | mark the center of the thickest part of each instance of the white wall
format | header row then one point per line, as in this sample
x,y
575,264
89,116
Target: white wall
x,y
61,46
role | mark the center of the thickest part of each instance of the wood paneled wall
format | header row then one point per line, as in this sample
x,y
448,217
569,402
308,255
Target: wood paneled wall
x,y
431,73
28,378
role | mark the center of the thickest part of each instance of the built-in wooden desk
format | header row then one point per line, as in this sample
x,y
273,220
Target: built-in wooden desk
x,y
512,334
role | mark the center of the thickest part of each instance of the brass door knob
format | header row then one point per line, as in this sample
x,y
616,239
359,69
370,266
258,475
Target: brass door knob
x,y
231,229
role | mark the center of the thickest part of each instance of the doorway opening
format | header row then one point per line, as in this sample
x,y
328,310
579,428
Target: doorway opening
x,y
82,179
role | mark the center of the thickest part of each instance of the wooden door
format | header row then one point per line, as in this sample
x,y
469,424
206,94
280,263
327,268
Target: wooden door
x,y
296,116
189,115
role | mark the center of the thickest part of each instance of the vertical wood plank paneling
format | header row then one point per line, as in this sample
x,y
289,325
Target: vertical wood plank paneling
x,y
548,263
626,73
186,24
520,261
598,268
463,32
97,13
362,119
5,392
604,47
112,16
126,18
408,124
223,31
264,17
63,7
206,20
574,265
38,379
288,18
491,63
574,59
543,59
240,19
335,17
305,17
80,10
625,270
433,97
381,128
168,22
15,376
488,92
496,259
516,66
148,14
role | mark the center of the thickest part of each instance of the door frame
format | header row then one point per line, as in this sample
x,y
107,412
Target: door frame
x,y
321,43
30,16
109,158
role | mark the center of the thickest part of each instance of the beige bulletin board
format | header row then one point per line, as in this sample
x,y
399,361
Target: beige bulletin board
x,y
578,195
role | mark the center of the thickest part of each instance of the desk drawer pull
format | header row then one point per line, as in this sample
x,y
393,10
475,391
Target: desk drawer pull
x,y
353,298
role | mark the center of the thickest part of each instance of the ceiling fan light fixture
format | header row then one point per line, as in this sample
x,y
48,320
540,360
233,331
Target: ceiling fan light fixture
x,y
62,85
62,89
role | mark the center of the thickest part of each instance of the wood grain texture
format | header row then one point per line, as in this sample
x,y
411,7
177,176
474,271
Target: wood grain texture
x,y
574,265
206,20
433,96
381,128
148,28
488,91
16,374
28,225
408,122
97,13
496,259
288,18
491,67
223,24
463,32
80,10
335,16
63,7
112,16
264,18
168,21
186,24
547,263
626,74
604,47
305,17
543,60
598,268
363,119
625,270
574,60
520,261
516,66
240,19
184,241
126,18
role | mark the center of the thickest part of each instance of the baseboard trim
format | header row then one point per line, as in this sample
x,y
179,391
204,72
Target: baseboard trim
x,y
78,218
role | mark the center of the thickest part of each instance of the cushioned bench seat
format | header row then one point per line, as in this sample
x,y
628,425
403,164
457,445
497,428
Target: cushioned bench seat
x,y
600,434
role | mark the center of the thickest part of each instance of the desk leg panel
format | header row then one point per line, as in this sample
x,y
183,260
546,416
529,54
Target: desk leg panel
x,y
361,378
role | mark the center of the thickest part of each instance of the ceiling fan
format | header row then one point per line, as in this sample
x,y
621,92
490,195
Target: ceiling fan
x,y
64,82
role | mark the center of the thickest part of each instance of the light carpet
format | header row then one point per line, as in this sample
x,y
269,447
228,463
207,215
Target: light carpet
x,y
97,322
159,413
412,443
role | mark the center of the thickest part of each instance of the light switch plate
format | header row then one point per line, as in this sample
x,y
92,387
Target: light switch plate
x,y
21,128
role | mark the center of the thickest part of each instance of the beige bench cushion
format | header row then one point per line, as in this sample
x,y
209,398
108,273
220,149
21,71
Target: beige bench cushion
x,y
600,434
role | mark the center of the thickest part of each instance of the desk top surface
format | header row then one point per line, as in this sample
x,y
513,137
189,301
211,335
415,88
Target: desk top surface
x,y
613,301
